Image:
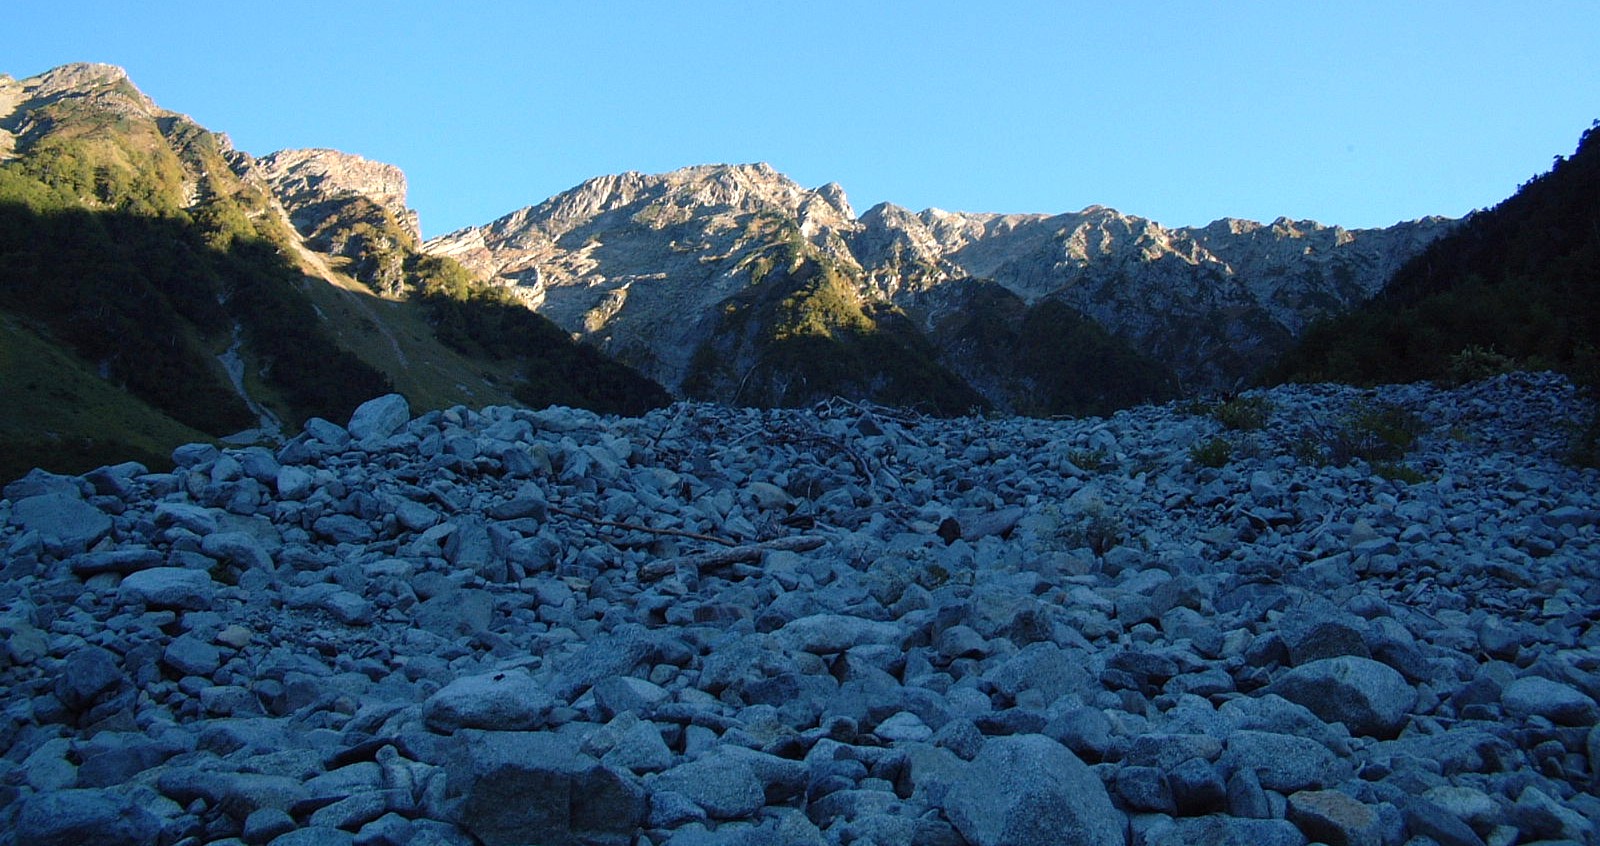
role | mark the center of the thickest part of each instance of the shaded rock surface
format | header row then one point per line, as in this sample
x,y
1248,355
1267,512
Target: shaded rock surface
x,y
510,626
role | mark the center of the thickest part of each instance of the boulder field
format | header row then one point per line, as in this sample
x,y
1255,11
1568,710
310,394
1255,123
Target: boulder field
x,y
838,625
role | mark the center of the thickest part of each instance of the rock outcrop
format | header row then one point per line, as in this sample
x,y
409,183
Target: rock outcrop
x,y
307,178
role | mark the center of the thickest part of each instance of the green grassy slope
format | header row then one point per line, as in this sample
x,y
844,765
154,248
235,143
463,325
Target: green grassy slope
x,y
60,415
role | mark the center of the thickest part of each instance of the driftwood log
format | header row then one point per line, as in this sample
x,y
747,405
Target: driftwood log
x,y
746,554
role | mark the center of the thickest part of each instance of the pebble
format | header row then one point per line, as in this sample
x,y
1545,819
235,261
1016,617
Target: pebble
x,y
439,629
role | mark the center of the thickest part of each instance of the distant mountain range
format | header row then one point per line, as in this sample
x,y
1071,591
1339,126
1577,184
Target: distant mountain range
x,y
652,268
180,288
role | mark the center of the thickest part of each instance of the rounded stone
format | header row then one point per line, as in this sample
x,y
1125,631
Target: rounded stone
x,y
1367,696
1538,696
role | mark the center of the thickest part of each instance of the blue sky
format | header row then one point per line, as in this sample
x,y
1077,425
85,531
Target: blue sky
x,y
1357,113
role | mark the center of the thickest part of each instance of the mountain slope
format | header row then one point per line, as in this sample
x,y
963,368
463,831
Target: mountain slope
x,y
1520,282
641,265
161,258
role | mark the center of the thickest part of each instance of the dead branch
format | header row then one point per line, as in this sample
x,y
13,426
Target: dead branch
x,y
679,533
747,554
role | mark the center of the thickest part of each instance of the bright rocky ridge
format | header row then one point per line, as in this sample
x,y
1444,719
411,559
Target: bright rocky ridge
x,y
843,624
651,267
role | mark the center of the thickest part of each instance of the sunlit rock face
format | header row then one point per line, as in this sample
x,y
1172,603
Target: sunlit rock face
x,y
640,263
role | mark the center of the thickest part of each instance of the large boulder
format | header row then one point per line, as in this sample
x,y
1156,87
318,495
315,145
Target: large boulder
x,y
1284,762
379,418
537,787
1218,830
1560,704
832,633
724,785
1028,790
1367,696
87,675
66,524
501,701
176,588
74,817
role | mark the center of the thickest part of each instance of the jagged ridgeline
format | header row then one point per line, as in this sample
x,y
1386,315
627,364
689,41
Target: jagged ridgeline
x,y
1515,286
734,283
139,252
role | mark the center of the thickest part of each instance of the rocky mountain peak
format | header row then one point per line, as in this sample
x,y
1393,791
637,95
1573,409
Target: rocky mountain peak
x,y
108,85
101,87
302,178
694,236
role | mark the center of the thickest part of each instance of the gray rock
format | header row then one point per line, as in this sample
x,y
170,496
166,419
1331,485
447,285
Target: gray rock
x,y
168,587
1282,762
75,817
202,521
192,656
1429,820
352,812
669,809
1145,789
379,418
902,727
1539,815
962,737
640,749
470,548
781,779
66,524
626,693
1045,668
87,675
327,432
456,612
1538,696
831,633
726,787
39,482
348,607
1229,831
415,516
317,835
1331,817
293,483
1028,790
241,548
1368,697
194,455
961,641
111,758
266,824
1468,804
116,561
1197,788
536,787
1159,749
501,701
344,528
